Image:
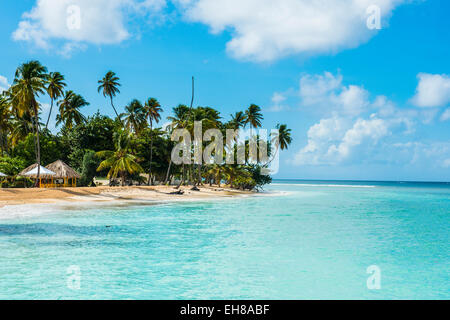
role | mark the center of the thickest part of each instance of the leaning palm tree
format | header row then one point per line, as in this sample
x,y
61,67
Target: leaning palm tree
x,y
134,116
55,88
29,83
253,117
281,140
284,137
152,110
121,161
109,86
69,110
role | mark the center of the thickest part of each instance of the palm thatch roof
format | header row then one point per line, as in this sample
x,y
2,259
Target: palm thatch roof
x,y
62,170
31,172
24,171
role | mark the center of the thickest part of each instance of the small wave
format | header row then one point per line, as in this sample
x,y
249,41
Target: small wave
x,y
23,211
323,185
274,193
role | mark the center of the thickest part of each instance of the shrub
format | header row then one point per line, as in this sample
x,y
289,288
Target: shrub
x,y
89,168
11,166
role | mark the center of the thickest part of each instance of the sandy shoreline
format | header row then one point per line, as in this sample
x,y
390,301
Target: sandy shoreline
x,y
10,197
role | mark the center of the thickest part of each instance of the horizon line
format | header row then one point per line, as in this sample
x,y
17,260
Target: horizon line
x,y
355,180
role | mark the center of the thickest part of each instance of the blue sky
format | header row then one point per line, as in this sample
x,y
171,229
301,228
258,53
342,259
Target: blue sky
x,y
362,104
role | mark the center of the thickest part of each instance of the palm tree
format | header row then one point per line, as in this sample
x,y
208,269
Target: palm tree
x,y
180,120
121,161
152,110
29,83
238,120
69,110
134,116
109,86
5,122
215,171
284,137
55,88
253,117
21,128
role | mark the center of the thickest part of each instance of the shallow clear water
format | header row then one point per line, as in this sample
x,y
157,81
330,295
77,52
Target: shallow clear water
x,y
307,240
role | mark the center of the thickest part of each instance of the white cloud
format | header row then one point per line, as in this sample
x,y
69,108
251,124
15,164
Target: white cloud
x,y
353,127
278,100
265,30
4,85
334,140
262,30
371,130
317,89
328,91
430,154
320,137
446,115
100,21
433,90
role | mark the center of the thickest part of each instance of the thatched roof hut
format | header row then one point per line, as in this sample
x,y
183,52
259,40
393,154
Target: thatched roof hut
x,y
31,172
62,170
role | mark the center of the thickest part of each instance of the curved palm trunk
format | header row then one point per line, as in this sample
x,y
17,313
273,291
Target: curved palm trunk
x,y
112,104
168,171
49,114
38,145
150,180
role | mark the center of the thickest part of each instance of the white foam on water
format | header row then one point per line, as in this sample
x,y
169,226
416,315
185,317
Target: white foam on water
x,y
27,211
323,185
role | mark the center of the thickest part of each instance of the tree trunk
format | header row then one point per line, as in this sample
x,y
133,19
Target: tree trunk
x,y
150,180
191,174
34,135
182,177
193,121
123,179
38,146
168,171
49,114
2,140
200,182
112,104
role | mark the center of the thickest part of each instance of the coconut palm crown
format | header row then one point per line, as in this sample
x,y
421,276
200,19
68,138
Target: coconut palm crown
x,y
109,86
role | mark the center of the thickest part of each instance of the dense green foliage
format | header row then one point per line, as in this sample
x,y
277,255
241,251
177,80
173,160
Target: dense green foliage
x,y
123,148
11,166
89,170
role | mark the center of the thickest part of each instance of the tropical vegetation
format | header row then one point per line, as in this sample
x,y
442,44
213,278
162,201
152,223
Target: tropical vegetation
x,y
129,148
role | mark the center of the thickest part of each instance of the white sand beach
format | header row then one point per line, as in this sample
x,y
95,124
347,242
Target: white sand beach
x,y
10,197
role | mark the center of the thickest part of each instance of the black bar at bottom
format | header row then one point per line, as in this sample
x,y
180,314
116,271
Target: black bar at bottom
x,y
194,310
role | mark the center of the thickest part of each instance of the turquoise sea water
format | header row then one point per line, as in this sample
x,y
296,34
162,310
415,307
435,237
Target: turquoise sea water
x,y
303,240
